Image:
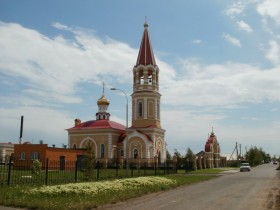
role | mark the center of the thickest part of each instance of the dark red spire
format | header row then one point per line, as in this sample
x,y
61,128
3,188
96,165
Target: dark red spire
x,y
146,55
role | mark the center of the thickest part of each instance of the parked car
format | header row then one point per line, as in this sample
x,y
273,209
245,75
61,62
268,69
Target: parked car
x,y
274,163
245,167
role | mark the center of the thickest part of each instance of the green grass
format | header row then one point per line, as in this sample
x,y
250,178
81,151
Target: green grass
x,y
19,196
207,171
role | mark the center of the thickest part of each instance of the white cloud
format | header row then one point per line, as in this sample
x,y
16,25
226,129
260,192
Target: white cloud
x,y
220,84
270,9
235,9
38,123
57,66
236,42
197,41
273,53
244,26
62,27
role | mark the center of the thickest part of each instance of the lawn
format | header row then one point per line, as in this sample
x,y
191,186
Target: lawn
x,y
91,194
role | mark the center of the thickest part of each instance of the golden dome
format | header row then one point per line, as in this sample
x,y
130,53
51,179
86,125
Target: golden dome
x,y
103,100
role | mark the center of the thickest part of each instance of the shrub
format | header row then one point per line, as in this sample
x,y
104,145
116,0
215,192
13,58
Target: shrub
x,y
36,167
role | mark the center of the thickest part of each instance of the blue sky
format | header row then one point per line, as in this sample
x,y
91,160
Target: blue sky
x,y
219,67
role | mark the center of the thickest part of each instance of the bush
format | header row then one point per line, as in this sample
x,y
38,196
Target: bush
x,y
36,167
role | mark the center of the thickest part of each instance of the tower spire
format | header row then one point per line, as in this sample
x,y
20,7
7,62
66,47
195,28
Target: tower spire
x,y
146,54
146,25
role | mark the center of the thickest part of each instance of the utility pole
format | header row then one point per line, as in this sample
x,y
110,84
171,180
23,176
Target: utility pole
x,y
240,150
21,130
236,151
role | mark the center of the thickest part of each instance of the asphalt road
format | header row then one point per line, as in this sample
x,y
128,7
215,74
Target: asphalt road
x,y
255,190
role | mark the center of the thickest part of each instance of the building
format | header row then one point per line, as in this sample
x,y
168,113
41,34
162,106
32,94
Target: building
x,y
212,157
145,138
105,135
142,142
58,158
6,150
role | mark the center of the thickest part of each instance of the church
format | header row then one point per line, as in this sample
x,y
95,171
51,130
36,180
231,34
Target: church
x,y
143,142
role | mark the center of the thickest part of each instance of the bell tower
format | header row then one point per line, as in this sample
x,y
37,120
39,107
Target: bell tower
x,y
146,96
145,138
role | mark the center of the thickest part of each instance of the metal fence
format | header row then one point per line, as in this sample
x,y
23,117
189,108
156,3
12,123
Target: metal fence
x,y
51,172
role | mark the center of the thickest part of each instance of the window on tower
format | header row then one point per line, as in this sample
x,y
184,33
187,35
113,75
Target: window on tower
x,y
150,77
141,77
142,80
140,109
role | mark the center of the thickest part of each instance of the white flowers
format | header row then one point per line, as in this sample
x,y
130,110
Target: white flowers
x,y
93,188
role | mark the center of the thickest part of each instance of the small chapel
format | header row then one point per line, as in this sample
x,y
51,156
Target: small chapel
x,y
144,141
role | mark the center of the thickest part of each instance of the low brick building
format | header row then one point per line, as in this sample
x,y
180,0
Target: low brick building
x,y
56,158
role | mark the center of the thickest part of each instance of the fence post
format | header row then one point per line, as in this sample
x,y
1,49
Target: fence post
x,y
9,170
76,170
47,170
98,166
155,168
117,169
145,167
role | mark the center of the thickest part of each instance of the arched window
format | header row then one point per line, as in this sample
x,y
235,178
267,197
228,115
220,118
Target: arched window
x,y
22,155
74,146
150,77
141,77
102,151
135,153
140,109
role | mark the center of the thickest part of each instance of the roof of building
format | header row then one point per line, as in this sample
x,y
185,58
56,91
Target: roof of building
x,y
123,136
6,142
103,100
98,124
146,54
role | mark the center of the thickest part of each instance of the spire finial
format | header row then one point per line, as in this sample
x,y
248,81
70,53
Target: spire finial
x,y
103,83
146,25
212,130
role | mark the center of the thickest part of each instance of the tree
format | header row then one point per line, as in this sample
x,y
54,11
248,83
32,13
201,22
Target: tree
x,y
90,161
189,153
255,156
180,158
36,167
168,155
189,158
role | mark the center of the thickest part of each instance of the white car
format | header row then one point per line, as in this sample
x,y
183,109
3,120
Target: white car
x,y
245,167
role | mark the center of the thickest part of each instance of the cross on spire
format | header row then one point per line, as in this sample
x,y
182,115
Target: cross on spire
x,y
103,83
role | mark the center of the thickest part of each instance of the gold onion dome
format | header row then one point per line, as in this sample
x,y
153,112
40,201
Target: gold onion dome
x,y
103,100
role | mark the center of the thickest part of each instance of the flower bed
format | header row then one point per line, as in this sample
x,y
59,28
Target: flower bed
x,y
93,188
